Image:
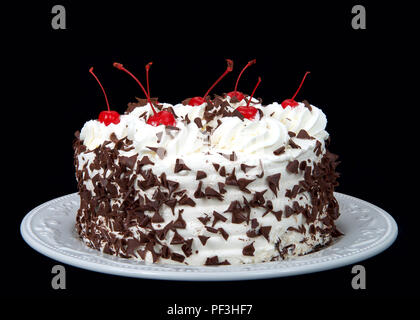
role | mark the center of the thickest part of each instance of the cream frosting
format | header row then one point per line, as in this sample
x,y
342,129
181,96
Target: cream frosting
x,y
252,141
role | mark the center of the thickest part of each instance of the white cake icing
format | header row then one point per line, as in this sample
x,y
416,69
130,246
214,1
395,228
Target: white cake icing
x,y
231,142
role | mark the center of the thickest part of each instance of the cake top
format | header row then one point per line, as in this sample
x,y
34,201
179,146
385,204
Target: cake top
x,y
227,124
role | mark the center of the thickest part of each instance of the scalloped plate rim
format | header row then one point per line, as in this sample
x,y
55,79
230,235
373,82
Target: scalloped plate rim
x,y
124,267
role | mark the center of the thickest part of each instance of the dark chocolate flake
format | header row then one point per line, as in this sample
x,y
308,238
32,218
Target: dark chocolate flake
x,y
211,229
198,193
222,171
185,200
211,193
161,152
265,231
273,182
203,239
293,166
145,161
293,144
128,161
216,166
279,151
177,257
245,167
200,175
224,234
180,165
197,121
303,134
180,222
177,239
217,217
243,183
248,250
307,104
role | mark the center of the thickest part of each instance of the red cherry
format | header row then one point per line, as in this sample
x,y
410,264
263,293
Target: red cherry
x,y
109,116
163,117
239,95
291,102
196,101
248,111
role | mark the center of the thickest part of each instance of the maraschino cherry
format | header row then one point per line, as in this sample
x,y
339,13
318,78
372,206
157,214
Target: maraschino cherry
x,y
196,101
291,102
248,111
163,117
239,95
109,116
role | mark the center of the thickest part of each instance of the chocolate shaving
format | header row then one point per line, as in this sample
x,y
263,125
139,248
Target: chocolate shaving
x,y
214,261
157,218
180,165
273,182
243,183
161,152
198,193
177,239
248,250
180,222
204,220
307,105
221,186
200,175
245,167
203,239
252,234
224,234
293,166
303,134
128,161
254,223
185,200
211,193
186,247
216,166
211,229
279,151
197,121
144,161
265,231
177,257
293,144
218,217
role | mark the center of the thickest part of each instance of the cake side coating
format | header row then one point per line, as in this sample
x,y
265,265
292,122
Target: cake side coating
x,y
214,189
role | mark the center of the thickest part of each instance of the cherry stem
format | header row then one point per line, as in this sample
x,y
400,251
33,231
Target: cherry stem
x,y
121,67
103,90
252,94
147,77
250,63
301,83
228,69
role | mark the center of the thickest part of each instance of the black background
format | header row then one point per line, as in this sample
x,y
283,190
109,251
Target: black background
x,y
358,78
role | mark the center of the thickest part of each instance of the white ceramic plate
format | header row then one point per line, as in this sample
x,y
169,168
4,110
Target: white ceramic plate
x,y
50,230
